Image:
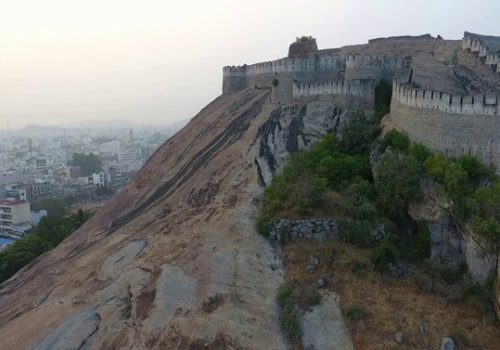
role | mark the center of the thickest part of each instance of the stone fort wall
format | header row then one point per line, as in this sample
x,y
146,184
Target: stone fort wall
x,y
356,93
451,124
313,69
485,47
482,104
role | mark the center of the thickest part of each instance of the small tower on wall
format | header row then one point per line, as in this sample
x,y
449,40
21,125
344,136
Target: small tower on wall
x,y
303,47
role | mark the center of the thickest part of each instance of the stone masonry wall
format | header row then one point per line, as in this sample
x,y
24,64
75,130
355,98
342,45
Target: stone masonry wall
x,y
482,104
319,67
484,47
450,133
357,87
285,230
319,229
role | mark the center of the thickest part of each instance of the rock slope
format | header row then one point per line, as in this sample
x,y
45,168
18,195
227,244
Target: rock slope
x,y
173,262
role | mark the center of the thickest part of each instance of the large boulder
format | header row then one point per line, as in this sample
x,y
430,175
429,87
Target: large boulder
x,y
480,255
452,245
323,326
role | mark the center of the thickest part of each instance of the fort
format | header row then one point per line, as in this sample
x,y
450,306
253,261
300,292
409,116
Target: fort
x,y
446,93
308,71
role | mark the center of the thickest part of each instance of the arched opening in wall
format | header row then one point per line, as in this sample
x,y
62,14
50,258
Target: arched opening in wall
x,y
383,96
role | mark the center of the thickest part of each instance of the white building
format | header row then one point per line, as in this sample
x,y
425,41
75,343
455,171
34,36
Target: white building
x,y
98,180
15,217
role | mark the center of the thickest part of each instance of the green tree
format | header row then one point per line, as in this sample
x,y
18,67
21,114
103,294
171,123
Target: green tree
x,y
396,140
55,207
88,164
486,210
78,219
358,134
397,181
44,237
21,252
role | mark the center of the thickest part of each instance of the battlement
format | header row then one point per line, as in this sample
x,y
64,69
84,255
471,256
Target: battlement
x,y
485,47
278,75
381,61
358,87
319,63
401,38
482,104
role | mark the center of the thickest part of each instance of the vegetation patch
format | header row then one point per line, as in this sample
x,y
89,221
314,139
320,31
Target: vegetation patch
x,y
289,315
212,303
377,305
44,237
355,313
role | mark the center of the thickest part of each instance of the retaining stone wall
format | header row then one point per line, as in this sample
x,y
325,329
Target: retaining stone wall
x,y
319,229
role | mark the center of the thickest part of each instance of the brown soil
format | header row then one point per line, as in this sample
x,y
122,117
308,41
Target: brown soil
x,y
390,304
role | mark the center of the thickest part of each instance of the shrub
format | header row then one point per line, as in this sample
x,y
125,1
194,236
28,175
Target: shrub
x,y
355,313
362,210
304,39
358,134
289,317
396,140
455,180
309,296
340,167
419,152
290,322
286,294
359,190
488,227
397,181
303,186
483,296
475,169
449,274
385,253
356,232
264,225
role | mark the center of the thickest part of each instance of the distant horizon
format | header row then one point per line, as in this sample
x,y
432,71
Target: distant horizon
x,y
159,63
92,124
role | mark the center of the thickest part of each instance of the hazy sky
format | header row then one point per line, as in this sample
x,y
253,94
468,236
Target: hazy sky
x,y
64,61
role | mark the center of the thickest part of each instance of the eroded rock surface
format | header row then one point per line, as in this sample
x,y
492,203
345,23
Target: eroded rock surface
x,y
452,245
174,262
324,328
75,333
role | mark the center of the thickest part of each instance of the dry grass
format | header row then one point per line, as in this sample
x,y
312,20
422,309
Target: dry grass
x,y
390,304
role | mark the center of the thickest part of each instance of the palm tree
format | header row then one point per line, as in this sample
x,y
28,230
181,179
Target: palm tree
x,y
78,219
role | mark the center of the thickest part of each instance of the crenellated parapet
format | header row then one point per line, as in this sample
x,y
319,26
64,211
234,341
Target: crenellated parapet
x,y
358,87
481,104
279,75
485,47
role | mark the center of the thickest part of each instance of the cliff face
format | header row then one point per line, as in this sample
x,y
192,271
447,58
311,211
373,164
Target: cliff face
x,y
452,245
174,261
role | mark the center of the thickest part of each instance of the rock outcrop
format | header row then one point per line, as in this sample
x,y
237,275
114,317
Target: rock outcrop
x,y
324,327
141,272
452,245
174,260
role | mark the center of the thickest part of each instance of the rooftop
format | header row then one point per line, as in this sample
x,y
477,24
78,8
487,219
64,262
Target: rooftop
x,y
7,201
